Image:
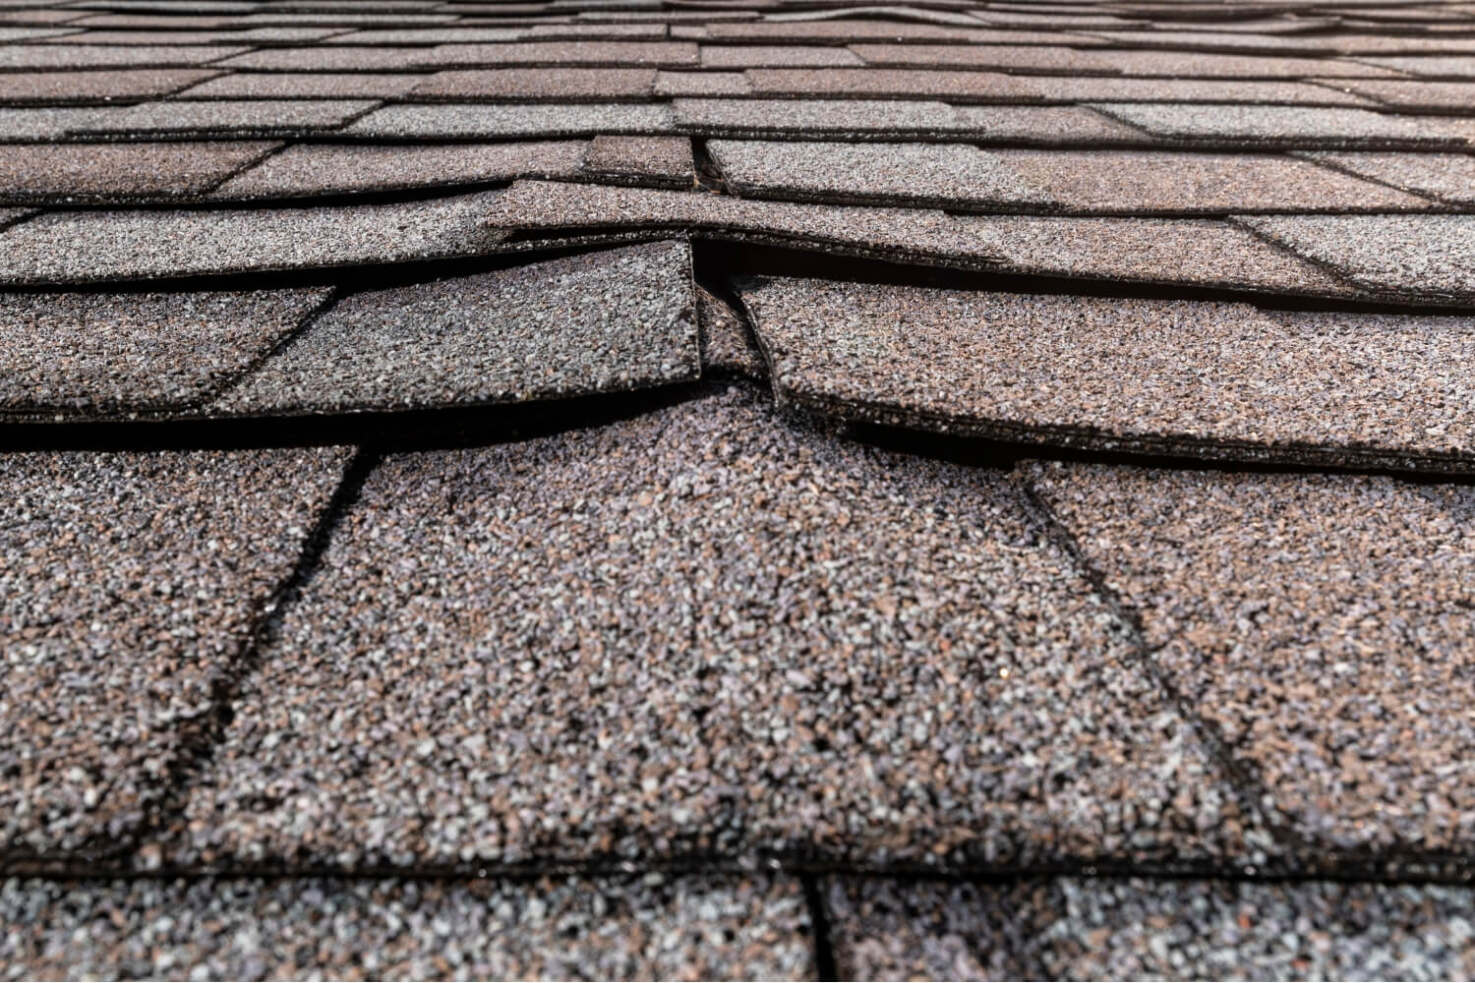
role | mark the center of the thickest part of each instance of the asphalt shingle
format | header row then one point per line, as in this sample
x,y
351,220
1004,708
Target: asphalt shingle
x,y
571,673
1295,126
55,88
1140,929
90,246
1421,255
131,581
74,172
1175,376
1448,177
96,353
494,121
307,170
606,928
523,85
230,117
661,160
601,322
1321,622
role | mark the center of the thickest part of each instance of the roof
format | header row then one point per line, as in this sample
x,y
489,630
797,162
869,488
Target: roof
x,y
737,488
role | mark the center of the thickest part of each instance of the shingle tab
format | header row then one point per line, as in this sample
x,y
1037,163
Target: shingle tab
x,y
538,85
131,581
81,247
495,122
1168,182
1102,928
248,116
1321,622
1449,177
99,172
307,170
303,85
662,160
1282,125
106,354
1161,376
942,175
13,56
891,82
614,928
642,54
601,322
54,88
791,56
679,721
1423,255
1155,250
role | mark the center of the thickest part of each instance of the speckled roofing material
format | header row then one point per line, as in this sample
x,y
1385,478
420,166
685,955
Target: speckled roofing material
x,y
701,489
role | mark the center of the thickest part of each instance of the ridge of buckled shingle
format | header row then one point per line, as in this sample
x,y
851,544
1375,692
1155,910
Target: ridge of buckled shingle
x,y
600,322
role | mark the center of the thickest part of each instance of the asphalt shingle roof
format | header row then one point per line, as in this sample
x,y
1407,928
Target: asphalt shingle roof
x,y
737,488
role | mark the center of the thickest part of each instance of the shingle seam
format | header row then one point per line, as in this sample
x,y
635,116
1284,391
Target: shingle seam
x,y
1247,786
201,736
819,929
1314,157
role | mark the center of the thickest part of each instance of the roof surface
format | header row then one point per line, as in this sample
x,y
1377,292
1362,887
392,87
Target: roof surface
x,y
737,488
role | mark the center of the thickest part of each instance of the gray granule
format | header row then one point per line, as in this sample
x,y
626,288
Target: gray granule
x,y
758,56
512,121
277,35
539,84
99,172
1448,177
1198,64
1322,623
96,353
727,345
1123,372
130,580
1086,929
549,205
616,928
1154,250
1293,125
226,116
307,170
701,631
664,159
599,322
87,246
120,56
99,86
937,174
1409,254
304,85
841,32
